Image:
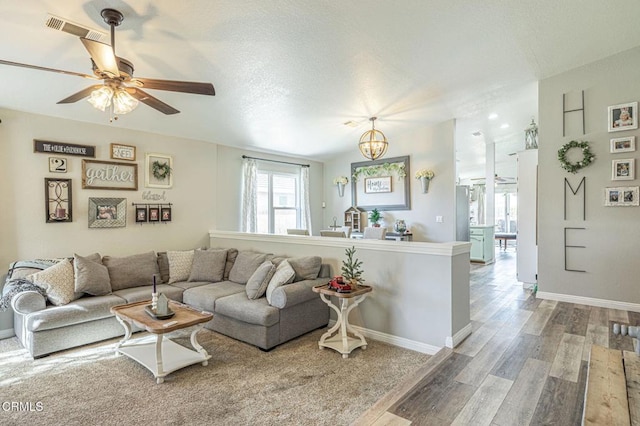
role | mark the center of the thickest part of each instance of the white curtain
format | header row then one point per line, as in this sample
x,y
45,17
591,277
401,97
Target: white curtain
x,y
305,222
249,214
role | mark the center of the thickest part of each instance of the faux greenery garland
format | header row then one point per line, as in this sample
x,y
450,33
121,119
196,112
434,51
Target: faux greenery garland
x,y
587,156
380,169
160,170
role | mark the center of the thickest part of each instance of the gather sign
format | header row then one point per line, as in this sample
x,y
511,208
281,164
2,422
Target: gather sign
x,y
109,175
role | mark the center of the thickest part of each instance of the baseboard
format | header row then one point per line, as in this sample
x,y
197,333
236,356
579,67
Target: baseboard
x,y
400,342
5,334
590,301
452,342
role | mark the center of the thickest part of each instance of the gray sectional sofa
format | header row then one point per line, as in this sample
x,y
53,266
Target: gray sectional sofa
x,y
229,283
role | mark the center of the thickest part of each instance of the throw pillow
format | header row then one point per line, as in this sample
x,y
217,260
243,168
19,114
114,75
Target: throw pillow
x,y
231,258
179,265
131,271
163,267
307,268
57,282
208,265
257,284
91,276
284,274
245,265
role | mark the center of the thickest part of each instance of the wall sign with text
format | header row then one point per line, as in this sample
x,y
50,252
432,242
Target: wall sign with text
x,y
109,175
64,148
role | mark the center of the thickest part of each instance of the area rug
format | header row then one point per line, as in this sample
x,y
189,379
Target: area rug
x,y
293,384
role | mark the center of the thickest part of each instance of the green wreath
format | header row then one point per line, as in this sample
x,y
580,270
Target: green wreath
x,y
587,156
160,171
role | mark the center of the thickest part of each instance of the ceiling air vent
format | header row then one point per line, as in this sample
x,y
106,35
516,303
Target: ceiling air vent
x,y
60,24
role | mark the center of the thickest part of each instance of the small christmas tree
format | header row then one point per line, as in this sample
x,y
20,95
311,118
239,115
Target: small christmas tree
x,y
351,269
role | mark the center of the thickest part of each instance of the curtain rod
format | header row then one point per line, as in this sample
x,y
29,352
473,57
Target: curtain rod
x,y
276,161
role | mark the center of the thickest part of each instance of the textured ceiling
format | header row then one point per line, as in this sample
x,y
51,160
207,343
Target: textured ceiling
x,y
289,73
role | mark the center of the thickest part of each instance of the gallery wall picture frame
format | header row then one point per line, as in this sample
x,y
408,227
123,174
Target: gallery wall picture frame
x,y
109,175
623,117
141,214
62,148
154,214
396,168
622,196
57,165
165,214
58,200
158,170
107,212
627,144
123,152
623,169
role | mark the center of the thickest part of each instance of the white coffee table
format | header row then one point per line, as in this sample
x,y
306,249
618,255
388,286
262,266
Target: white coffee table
x,y
157,352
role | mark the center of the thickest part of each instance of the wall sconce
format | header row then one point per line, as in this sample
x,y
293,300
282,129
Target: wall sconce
x,y
531,136
57,195
341,182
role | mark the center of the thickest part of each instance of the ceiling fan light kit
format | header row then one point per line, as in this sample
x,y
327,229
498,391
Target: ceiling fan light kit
x,y
119,93
373,143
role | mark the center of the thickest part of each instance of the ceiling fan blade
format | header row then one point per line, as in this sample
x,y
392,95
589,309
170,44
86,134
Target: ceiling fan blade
x,y
81,94
35,67
103,56
155,103
177,86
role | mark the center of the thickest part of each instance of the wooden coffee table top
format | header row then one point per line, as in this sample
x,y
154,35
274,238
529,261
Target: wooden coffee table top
x,y
185,316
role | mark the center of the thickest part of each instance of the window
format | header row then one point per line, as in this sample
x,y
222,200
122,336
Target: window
x,y
278,201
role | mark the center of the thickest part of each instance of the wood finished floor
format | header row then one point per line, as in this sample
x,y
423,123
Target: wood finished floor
x,y
524,364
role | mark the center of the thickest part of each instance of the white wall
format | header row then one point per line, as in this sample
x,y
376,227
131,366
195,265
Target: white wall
x,y
23,229
229,201
430,147
420,297
612,233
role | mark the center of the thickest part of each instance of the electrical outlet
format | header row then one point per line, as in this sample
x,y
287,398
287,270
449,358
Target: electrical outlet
x,y
439,219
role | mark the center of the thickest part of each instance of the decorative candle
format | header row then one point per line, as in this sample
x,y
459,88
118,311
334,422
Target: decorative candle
x,y
154,283
60,213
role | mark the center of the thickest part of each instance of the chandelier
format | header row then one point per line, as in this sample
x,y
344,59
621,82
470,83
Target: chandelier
x,y
373,143
115,96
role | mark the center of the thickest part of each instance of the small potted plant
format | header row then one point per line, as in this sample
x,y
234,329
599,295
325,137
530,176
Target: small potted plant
x,y
352,269
375,216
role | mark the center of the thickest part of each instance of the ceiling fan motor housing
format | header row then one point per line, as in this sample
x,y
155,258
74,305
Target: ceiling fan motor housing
x,y
124,66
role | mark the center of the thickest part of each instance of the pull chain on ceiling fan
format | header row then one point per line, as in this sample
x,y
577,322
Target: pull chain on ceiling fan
x,y
119,89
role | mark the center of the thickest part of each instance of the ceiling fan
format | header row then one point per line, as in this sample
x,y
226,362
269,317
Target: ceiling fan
x,y
499,180
119,88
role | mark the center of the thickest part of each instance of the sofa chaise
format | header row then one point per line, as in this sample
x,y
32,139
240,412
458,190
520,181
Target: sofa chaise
x,y
255,297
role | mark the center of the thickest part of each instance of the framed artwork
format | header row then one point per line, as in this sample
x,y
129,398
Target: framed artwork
x,y
621,196
154,214
377,185
123,152
383,184
57,165
58,206
109,175
107,212
623,117
165,214
623,169
158,171
627,144
141,214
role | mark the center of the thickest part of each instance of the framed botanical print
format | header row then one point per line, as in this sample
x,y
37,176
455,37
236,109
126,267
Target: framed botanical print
x,y
158,170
